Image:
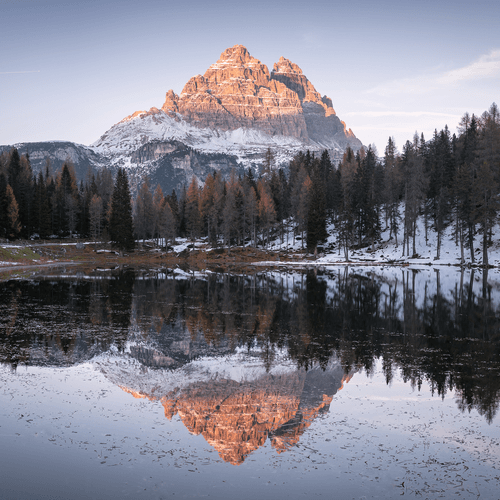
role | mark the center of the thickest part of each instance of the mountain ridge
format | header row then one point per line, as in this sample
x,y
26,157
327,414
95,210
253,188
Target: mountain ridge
x,y
229,116
238,92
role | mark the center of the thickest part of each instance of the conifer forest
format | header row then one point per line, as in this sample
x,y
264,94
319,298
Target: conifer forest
x,y
448,181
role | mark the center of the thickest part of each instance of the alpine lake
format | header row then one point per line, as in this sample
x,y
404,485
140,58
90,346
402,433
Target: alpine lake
x,y
338,382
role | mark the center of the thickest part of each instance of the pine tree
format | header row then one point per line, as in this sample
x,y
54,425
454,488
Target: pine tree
x,y
66,200
333,194
462,191
207,209
252,212
316,214
267,212
144,212
441,166
304,198
486,204
3,205
13,223
174,207
95,211
268,165
167,223
414,179
348,168
20,179
121,228
158,206
192,210
103,186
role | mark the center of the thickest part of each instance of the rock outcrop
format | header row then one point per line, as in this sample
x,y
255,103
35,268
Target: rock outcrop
x,y
239,92
237,109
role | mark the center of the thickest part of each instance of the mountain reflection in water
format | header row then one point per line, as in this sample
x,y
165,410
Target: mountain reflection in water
x,y
232,402
243,359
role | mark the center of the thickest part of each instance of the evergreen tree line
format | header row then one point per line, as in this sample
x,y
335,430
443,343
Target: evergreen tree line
x,y
242,209
448,181
47,204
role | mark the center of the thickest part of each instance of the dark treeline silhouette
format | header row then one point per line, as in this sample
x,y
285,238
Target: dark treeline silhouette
x,y
447,181
449,340
54,205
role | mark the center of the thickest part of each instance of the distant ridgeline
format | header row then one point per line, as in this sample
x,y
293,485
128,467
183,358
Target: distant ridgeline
x,y
226,119
449,183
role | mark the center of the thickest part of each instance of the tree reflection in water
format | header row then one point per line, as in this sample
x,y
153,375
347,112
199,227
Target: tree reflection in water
x,y
436,327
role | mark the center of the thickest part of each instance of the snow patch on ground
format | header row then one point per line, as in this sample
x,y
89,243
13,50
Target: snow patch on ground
x,y
385,250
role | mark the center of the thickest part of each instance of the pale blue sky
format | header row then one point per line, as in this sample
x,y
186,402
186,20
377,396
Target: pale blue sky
x,y
70,70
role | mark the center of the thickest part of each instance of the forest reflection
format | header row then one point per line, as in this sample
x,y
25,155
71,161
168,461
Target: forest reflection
x,y
435,329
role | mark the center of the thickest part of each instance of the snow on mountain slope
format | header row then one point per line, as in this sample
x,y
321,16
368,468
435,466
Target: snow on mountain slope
x,y
222,121
240,109
121,140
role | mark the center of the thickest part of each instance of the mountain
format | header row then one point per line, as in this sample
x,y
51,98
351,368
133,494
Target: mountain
x,y
239,108
82,157
225,119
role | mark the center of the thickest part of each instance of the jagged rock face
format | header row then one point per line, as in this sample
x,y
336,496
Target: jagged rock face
x,y
291,75
154,150
239,92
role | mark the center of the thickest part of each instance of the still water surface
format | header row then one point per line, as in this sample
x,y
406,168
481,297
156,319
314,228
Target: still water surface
x,y
340,383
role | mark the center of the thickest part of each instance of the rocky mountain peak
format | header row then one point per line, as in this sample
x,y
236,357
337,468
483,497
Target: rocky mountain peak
x,y
237,54
237,107
236,63
288,73
285,66
239,92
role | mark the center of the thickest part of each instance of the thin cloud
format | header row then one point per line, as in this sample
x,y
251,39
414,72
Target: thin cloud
x,y
417,85
409,114
312,41
17,72
486,66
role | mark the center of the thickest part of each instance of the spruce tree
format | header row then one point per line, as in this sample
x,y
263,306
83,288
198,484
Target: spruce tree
x,y
192,210
174,207
121,229
13,223
144,212
3,205
316,216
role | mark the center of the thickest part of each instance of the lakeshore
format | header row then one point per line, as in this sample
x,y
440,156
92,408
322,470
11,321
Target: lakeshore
x,y
195,256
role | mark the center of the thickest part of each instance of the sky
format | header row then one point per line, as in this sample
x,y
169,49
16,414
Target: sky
x,y
70,70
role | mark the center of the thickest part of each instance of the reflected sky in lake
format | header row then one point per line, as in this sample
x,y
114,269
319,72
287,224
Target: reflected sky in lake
x,y
360,381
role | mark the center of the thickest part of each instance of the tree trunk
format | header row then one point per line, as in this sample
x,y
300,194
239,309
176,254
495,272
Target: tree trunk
x,y
426,224
462,259
438,253
414,236
471,242
485,243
